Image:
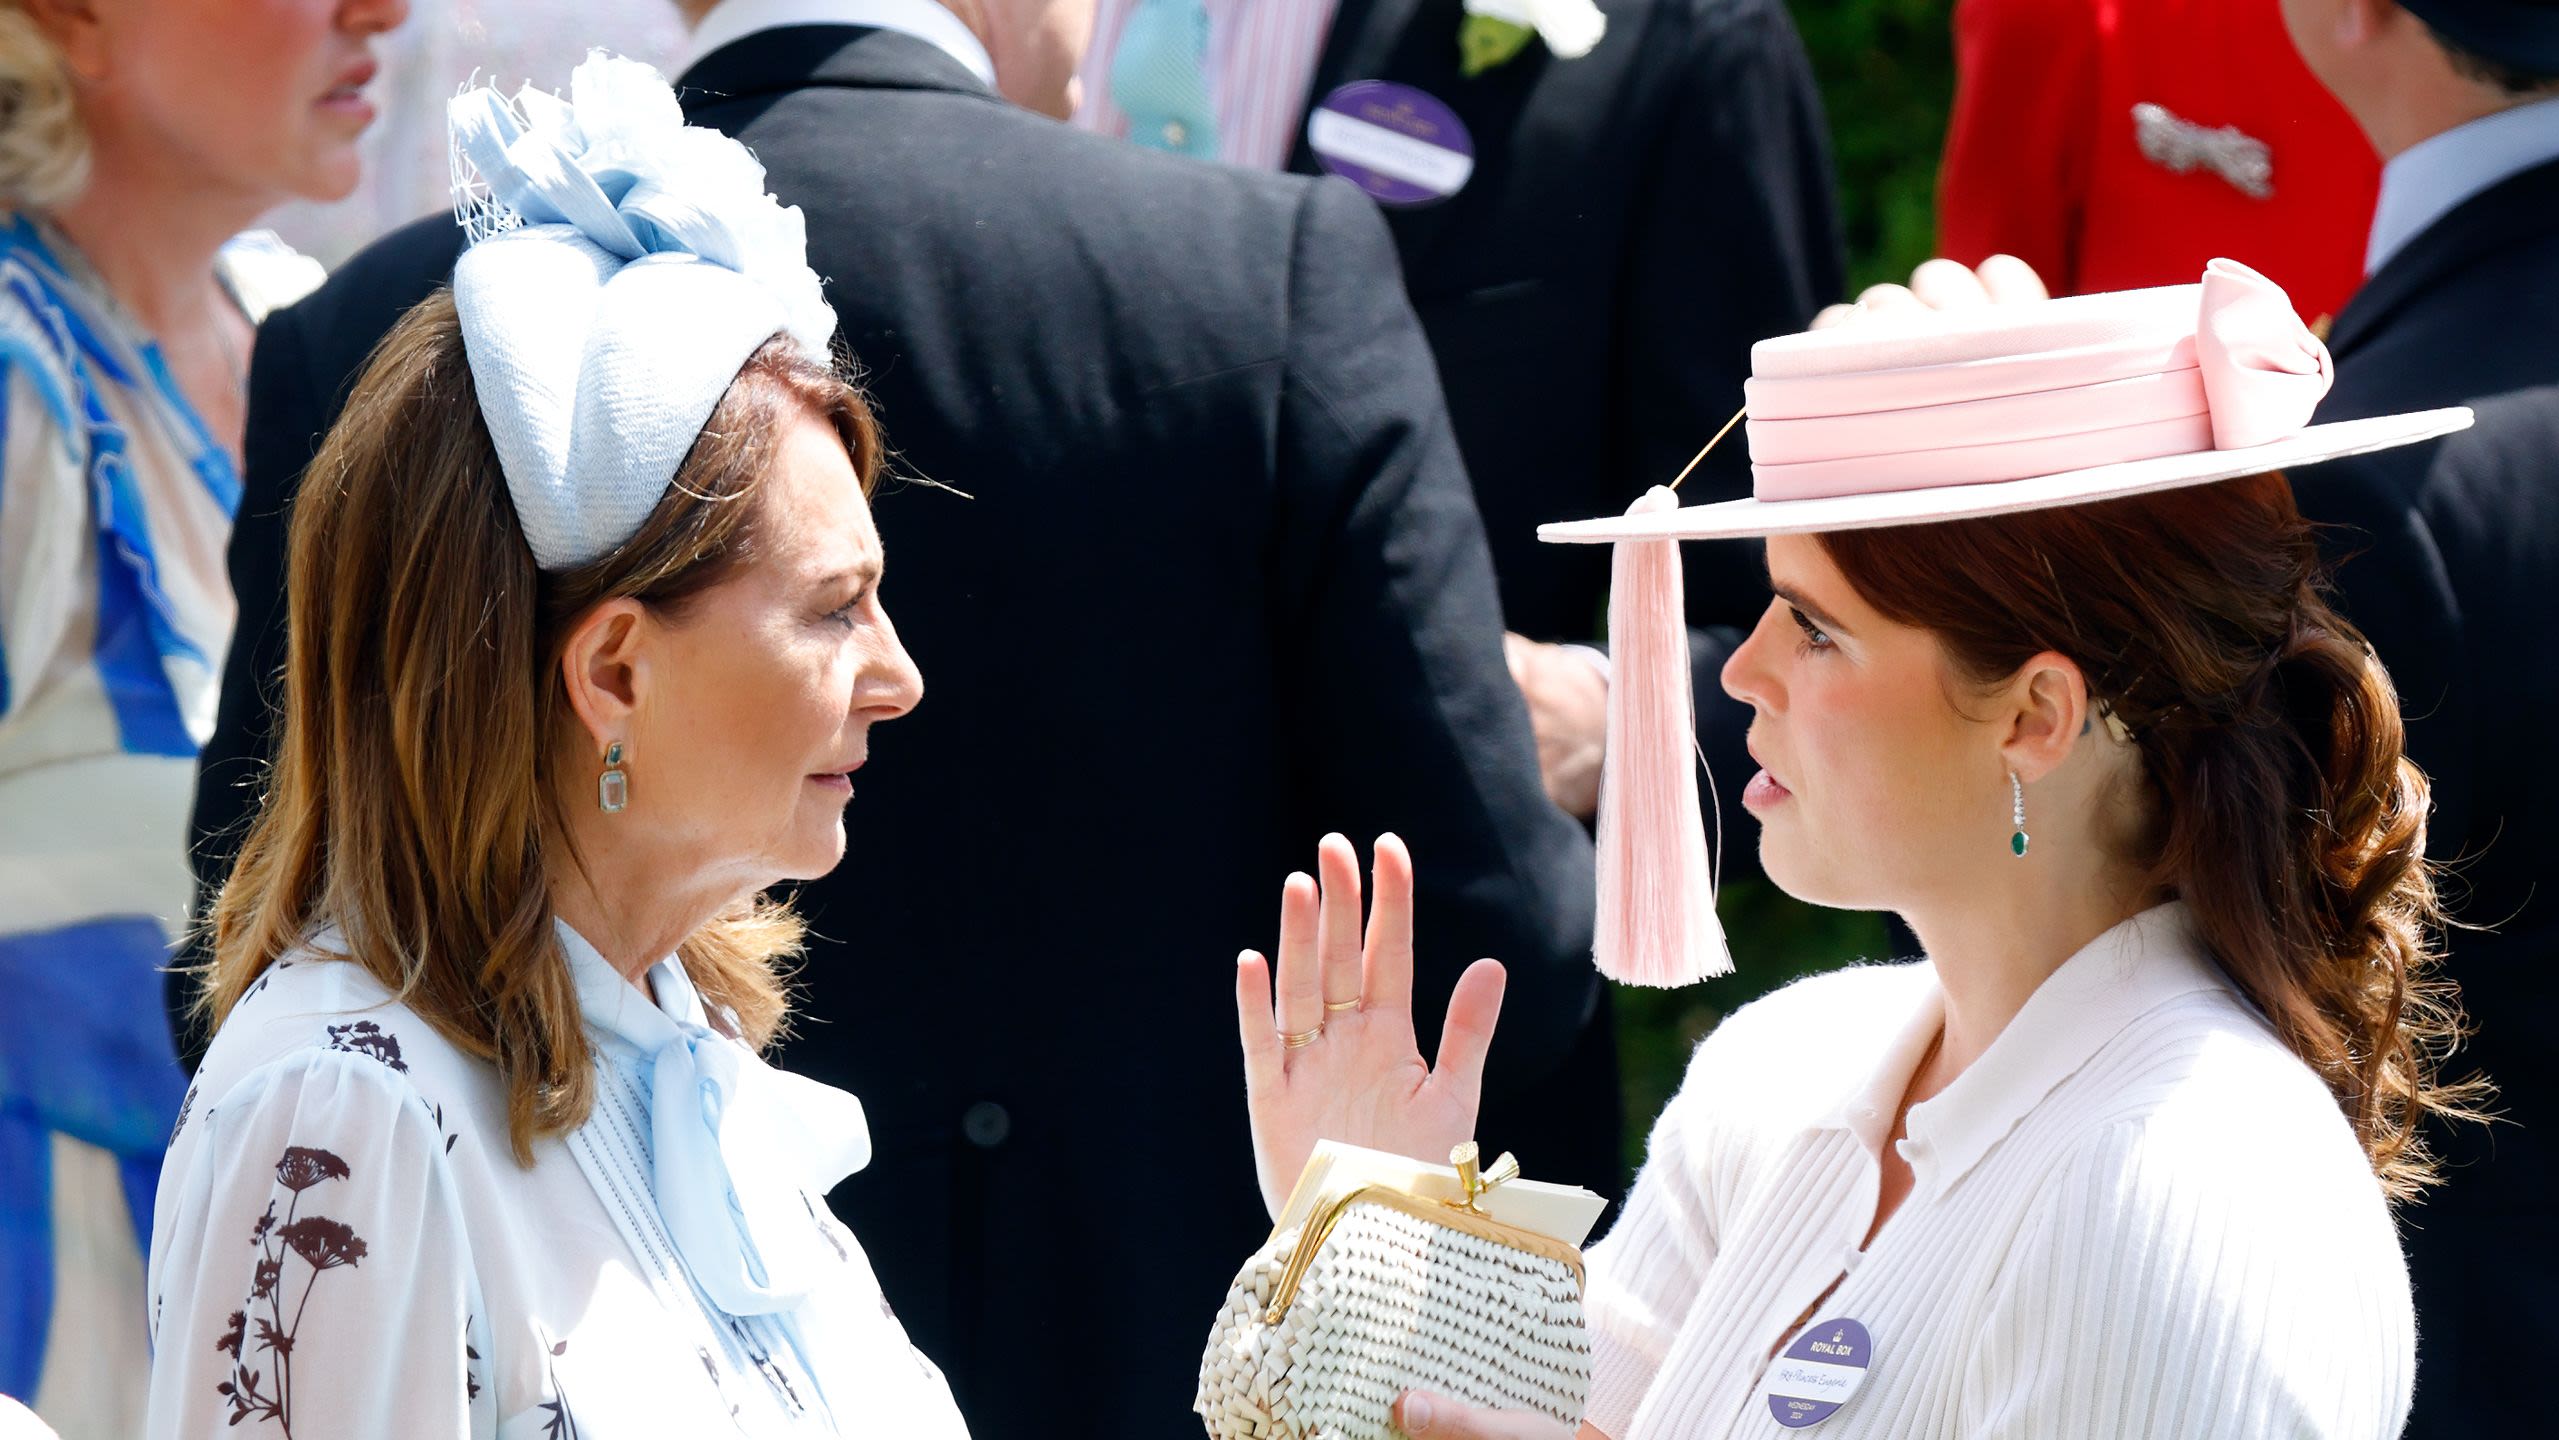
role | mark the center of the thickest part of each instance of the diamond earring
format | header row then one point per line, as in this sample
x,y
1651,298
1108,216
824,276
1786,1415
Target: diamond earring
x,y
2017,794
613,787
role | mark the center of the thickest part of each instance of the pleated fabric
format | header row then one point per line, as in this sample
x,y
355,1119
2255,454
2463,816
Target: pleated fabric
x,y
2137,1214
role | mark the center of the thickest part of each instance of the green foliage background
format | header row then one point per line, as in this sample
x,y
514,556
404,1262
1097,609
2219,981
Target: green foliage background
x,y
1887,73
1886,69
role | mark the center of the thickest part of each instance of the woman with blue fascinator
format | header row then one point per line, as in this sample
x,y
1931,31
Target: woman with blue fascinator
x,y
586,644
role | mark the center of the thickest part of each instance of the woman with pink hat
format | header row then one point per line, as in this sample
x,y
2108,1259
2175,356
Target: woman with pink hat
x,y
2048,671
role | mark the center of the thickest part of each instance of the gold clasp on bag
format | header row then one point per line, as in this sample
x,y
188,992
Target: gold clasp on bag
x,y
1466,1217
1477,1182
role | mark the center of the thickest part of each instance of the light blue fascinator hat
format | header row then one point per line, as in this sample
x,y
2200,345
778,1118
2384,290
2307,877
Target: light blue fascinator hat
x,y
623,265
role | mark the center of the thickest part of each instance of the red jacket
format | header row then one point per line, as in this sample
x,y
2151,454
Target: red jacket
x,y
2044,157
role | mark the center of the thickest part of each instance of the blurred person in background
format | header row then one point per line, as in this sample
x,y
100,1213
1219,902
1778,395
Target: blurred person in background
x,y
2114,144
1631,195
1221,586
445,44
137,140
2459,547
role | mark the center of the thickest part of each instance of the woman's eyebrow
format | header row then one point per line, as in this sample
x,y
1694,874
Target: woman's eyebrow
x,y
863,572
1812,612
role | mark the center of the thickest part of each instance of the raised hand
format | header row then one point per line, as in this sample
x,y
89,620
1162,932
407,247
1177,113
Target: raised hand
x,y
1335,1057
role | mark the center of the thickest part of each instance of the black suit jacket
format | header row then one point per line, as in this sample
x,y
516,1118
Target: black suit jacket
x,y
1221,588
2451,553
1638,218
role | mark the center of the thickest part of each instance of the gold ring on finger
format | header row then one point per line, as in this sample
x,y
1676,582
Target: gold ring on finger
x,y
1335,1007
1302,1038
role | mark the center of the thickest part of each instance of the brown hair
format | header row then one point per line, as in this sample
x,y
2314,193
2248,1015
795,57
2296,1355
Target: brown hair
x,y
2282,809
414,801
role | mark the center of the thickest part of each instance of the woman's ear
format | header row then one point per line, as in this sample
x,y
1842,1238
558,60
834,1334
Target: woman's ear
x,y
2048,710
74,29
605,667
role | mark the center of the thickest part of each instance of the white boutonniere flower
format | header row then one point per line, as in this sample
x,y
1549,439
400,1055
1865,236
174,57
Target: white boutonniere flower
x,y
1496,30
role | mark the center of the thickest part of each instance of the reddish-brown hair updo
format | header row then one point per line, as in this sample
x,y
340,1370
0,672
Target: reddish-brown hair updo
x,y
2283,810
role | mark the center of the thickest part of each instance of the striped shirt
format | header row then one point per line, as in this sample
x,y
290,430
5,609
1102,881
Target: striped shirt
x,y
115,611
1261,61
2136,1214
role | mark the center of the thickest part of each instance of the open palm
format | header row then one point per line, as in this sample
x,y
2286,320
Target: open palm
x,y
1345,994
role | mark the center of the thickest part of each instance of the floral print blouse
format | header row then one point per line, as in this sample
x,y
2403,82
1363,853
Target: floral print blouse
x,y
345,1246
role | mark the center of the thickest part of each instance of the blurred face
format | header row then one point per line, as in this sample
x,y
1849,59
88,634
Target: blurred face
x,y
755,703
1036,46
264,98
1872,789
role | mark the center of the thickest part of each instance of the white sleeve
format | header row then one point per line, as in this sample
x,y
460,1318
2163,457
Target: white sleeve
x,y
1648,1270
2161,1294
309,1265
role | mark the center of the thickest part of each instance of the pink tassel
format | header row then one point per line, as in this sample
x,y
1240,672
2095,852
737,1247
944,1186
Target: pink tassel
x,y
1657,923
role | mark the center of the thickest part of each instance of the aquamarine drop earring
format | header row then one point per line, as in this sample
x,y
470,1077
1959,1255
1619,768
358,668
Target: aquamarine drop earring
x,y
613,787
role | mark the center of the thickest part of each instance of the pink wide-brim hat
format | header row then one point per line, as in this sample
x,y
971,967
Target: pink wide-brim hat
x,y
1910,417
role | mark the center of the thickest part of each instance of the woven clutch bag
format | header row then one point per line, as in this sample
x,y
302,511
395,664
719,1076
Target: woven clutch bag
x,y
1380,1292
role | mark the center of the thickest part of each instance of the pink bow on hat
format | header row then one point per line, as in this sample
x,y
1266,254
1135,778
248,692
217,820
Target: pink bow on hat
x,y
2264,372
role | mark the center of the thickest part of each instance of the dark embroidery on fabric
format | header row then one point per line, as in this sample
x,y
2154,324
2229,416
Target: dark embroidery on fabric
x,y
711,1367
766,1366
321,1244
263,977
562,1425
185,1107
470,1359
449,1136
366,1038
826,1228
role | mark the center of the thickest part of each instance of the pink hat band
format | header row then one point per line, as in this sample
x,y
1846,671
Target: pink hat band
x,y
2008,392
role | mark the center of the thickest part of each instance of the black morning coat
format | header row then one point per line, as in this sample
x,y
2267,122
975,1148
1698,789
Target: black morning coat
x,y
1222,588
1638,218
2457,586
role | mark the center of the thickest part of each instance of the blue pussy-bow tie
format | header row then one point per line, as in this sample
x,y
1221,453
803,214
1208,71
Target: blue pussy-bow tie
x,y
742,1154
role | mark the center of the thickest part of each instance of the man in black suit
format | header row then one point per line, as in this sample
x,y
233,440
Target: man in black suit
x,y
1220,587
1636,219
2459,551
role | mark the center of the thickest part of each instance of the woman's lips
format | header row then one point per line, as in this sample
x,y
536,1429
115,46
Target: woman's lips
x,y
346,100
348,105
841,784
1763,792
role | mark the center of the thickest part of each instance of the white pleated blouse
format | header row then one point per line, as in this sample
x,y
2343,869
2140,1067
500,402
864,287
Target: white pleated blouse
x,y
2137,1214
345,1246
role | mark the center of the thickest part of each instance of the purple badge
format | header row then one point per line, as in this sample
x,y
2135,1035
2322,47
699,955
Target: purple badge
x,y
1393,141
1817,1374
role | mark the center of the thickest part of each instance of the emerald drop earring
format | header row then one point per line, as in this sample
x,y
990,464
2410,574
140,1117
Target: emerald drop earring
x,y
613,787
2017,794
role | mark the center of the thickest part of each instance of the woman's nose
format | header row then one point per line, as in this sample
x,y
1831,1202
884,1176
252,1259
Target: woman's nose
x,y
891,684
373,17
1745,675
